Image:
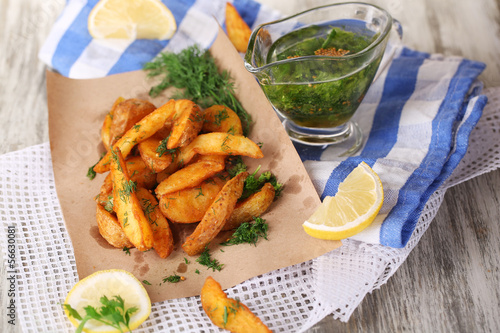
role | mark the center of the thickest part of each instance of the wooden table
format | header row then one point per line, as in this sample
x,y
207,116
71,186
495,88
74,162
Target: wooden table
x,y
450,281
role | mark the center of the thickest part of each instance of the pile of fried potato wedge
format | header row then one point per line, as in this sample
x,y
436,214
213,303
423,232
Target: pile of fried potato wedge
x,y
168,165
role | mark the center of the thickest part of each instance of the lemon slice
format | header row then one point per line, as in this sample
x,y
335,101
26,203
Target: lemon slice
x,y
109,283
131,19
354,207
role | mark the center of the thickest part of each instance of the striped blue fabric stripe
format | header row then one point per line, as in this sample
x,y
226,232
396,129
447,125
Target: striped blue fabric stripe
x,y
403,217
74,41
139,52
248,10
398,87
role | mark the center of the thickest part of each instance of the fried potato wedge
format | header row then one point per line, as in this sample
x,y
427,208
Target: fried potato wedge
x,y
237,30
228,313
127,207
110,229
155,161
189,176
220,118
163,240
218,144
253,206
139,173
142,130
187,123
106,126
216,216
189,205
126,114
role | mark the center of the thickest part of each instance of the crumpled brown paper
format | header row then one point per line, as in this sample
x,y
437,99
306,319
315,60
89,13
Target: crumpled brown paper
x,y
76,111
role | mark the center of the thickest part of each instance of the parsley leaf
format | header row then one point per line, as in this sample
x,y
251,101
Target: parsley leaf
x,y
111,313
90,172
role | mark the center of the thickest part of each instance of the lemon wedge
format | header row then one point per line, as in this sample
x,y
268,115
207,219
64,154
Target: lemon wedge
x,y
131,19
354,207
109,283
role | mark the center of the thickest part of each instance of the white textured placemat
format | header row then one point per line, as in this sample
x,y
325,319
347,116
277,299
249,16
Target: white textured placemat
x,y
288,300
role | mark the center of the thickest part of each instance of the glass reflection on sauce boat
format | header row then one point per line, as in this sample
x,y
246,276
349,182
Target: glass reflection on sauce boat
x,y
315,67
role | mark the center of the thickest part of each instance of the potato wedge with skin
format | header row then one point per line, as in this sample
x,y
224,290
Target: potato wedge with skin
x,y
142,130
189,205
218,144
237,30
187,123
188,177
139,174
228,313
253,206
110,229
216,216
220,118
127,207
163,240
126,114
106,126
150,156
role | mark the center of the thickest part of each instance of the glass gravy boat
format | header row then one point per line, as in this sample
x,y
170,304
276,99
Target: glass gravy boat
x,y
315,67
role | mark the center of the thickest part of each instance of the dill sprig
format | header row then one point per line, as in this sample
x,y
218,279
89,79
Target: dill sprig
x,y
249,233
174,278
111,313
254,184
194,72
205,260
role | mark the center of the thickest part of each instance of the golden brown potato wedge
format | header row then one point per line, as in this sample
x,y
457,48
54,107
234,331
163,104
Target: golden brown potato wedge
x,y
220,118
218,144
155,161
228,313
253,206
106,126
139,173
110,229
163,240
127,207
126,114
187,123
216,216
188,177
142,130
237,30
189,205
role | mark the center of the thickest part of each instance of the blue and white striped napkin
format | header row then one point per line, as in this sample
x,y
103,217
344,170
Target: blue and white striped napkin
x,y
416,117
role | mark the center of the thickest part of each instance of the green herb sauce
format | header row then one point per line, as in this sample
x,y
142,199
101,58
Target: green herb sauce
x,y
319,91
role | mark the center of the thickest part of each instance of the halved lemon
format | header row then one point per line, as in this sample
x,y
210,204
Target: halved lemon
x,y
354,207
109,283
131,19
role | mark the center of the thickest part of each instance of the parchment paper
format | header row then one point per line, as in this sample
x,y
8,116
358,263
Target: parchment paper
x,y
76,112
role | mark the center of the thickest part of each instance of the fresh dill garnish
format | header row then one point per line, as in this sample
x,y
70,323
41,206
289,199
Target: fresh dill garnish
x,y
220,116
200,192
111,313
162,148
126,250
205,260
174,278
149,209
146,282
224,316
128,188
186,261
109,204
197,271
195,73
249,233
90,172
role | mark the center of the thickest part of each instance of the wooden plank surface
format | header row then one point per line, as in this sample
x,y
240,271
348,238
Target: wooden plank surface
x,y
450,282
